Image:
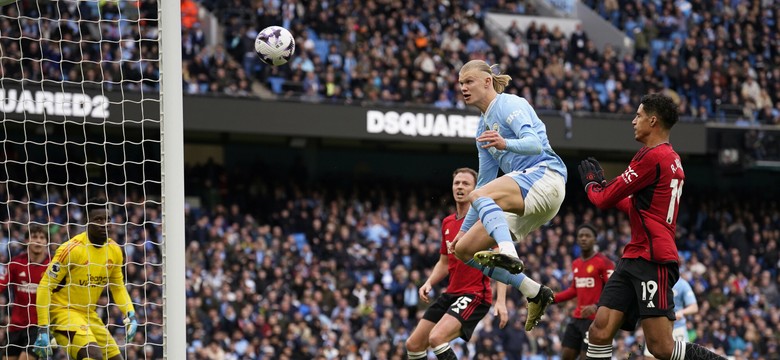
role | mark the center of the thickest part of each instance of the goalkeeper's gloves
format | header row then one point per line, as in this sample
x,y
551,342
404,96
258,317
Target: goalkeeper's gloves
x,y
42,347
131,325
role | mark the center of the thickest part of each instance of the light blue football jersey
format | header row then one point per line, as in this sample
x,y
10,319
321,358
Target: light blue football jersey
x,y
514,118
683,296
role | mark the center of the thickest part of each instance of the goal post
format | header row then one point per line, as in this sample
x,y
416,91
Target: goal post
x,y
91,106
172,116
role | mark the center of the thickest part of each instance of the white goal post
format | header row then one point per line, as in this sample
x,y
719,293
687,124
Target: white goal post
x,y
91,107
172,115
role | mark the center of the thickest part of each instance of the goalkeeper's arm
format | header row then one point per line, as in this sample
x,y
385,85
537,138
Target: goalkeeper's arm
x,y
43,299
122,299
54,275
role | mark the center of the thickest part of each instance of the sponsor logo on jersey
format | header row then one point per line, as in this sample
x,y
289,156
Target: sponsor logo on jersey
x,y
512,116
629,175
421,124
27,287
93,280
585,282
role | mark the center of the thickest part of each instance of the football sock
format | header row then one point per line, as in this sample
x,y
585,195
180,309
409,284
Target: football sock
x,y
529,288
416,355
499,274
444,352
691,351
596,352
494,220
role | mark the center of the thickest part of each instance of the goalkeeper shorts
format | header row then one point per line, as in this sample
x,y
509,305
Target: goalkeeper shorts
x,y
74,330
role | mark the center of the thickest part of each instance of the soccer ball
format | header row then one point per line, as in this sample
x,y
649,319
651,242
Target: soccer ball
x,y
275,45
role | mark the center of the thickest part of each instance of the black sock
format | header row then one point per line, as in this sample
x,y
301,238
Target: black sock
x,y
444,352
697,352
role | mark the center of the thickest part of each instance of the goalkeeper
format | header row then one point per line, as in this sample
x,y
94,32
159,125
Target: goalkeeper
x,y
69,291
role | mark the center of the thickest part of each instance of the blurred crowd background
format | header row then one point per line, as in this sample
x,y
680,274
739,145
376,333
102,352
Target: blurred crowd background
x,y
281,269
718,65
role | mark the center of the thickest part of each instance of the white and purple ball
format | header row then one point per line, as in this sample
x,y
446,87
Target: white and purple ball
x,y
275,45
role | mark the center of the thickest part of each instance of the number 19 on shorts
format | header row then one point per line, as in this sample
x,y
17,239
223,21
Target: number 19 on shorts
x,y
649,288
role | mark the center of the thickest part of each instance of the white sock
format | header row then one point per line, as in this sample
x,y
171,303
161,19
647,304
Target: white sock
x,y
441,348
679,350
529,288
507,248
416,355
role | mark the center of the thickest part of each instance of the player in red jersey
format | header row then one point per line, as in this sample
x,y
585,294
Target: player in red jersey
x,y
22,277
591,272
467,299
640,289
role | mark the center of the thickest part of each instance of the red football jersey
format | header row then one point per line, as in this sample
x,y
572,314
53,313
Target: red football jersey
x,y
590,276
23,278
649,191
464,279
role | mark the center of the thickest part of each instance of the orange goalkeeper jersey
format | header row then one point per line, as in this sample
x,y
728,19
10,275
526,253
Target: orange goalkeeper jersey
x,y
77,275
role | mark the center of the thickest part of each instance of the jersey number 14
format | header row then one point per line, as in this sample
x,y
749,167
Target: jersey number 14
x,y
676,186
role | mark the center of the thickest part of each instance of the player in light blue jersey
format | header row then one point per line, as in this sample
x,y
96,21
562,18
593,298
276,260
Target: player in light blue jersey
x,y
684,304
511,137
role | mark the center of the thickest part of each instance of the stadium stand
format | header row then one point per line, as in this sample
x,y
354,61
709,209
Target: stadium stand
x,y
301,271
393,53
389,53
206,69
280,270
317,272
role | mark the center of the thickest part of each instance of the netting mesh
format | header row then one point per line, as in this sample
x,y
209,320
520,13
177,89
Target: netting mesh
x,y
79,95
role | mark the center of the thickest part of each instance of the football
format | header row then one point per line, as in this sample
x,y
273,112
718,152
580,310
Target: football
x,y
275,45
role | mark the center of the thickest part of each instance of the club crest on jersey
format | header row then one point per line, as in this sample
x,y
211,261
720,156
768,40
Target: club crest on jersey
x,y
589,269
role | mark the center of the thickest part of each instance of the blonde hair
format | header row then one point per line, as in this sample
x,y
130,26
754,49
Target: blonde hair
x,y
500,81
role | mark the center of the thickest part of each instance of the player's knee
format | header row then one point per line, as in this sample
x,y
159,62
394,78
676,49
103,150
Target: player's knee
x,y
659,351
598,334
461,252
476,194
90,352
414,345
437,338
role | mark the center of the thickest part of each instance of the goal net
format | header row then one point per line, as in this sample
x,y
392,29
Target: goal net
x,y
81,96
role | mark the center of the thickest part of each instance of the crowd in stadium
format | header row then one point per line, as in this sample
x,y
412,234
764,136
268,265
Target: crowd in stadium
x,y
281,270
136,226
286,271
296,271
718,67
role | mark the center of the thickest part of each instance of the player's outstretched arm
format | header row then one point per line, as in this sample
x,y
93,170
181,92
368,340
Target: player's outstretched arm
x,y
566,295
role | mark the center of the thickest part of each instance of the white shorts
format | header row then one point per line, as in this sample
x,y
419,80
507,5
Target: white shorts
x,y
678,334
543,198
